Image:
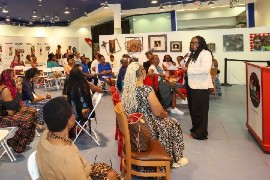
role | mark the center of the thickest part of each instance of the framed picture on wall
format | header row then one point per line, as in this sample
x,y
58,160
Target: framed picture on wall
x,y
157,43
211,47
176,46
134,44
260,42
233,42
114,46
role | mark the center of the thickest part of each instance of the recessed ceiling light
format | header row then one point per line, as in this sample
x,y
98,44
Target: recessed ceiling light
x,y
5,9
154,1
66,10
34,14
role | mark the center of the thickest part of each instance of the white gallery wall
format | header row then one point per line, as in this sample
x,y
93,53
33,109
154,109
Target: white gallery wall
x,y
43,36
236,70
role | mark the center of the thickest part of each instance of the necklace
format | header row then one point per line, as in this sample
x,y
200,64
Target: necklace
x,y
54,136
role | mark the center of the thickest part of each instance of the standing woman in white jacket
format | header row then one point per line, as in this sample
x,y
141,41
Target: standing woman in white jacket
x,y
199,81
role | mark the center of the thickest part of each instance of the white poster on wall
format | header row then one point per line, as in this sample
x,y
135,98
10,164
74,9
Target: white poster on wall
x,y
39,49
19,49
28,48
9,50
255,99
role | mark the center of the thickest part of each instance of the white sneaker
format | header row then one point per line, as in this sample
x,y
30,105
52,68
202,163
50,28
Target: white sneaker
x,y
177,111
176,165
182,162
184,101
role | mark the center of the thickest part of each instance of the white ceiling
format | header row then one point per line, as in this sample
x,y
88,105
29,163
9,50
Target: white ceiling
x,y
102,15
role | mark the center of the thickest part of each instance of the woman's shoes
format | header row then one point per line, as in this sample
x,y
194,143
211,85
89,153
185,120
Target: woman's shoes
x,y
182,162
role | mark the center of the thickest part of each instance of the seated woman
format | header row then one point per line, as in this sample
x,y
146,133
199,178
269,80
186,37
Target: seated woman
x,y
121,74
215,79
13,115
167,89
30,98
138,97
57,157
52,62
105,71
79,95
34,62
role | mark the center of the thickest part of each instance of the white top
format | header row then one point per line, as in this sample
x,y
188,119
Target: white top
x,y
153,67
94,65
167,65
199,71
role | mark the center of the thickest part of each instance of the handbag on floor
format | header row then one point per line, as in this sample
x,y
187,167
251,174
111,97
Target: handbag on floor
x,y
140,134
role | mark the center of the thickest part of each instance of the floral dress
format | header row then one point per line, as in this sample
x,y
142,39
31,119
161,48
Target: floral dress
x,y
167,130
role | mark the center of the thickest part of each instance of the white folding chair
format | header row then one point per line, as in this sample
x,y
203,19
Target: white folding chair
x,y
48,80
32,166
6,133
94,137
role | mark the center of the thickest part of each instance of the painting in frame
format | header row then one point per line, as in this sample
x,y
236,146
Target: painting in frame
x,y
157,43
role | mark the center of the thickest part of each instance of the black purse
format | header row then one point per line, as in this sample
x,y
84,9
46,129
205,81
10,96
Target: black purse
x,y
140,134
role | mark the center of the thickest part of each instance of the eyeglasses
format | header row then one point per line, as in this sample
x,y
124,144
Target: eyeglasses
x,y
194,43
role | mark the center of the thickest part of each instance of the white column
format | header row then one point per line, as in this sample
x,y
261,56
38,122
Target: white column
x,y
117,18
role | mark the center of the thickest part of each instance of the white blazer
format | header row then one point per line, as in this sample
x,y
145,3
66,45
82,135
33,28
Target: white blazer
x,y
199,71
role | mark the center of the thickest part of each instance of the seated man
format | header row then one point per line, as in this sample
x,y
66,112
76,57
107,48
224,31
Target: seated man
x,y
105,71
57,156
86,72
121,74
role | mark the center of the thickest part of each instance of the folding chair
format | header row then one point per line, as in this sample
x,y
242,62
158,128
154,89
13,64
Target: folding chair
x,y
61,72
32,166
94,137
6,133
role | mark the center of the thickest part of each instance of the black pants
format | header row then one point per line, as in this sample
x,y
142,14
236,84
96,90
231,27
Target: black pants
x,y
199,107
93,78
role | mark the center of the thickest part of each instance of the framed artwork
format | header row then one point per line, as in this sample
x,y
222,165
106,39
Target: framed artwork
x,y
157,43
211,47
176,46
9,50
233,42
134,44
114,46
260,42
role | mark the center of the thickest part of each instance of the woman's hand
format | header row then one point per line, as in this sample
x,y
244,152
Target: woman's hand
x,y
47,96
163,114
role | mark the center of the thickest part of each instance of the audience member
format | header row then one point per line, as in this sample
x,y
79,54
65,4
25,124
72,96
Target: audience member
x,y
138,97
13,115
167,89
52,61
34,62
30,98
16,61
77,58
57,157
148,63
105,71
121,74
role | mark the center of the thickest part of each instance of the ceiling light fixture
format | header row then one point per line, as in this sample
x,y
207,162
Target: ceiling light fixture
x,y
105,5
8,19
66,10
154,1
211,3
85,14
34,14
40,5
5,9
161,8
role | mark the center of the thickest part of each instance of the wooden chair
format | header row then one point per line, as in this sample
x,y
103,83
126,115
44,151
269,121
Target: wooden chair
x,y
156,156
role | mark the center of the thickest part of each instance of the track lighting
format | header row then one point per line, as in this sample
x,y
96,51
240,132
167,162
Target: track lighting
x,y
34,14
105,5
211,3
5,9
66,10
161,8
40,5
154,1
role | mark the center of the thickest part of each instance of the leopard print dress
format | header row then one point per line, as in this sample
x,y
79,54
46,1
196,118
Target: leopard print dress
x,y
167,130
